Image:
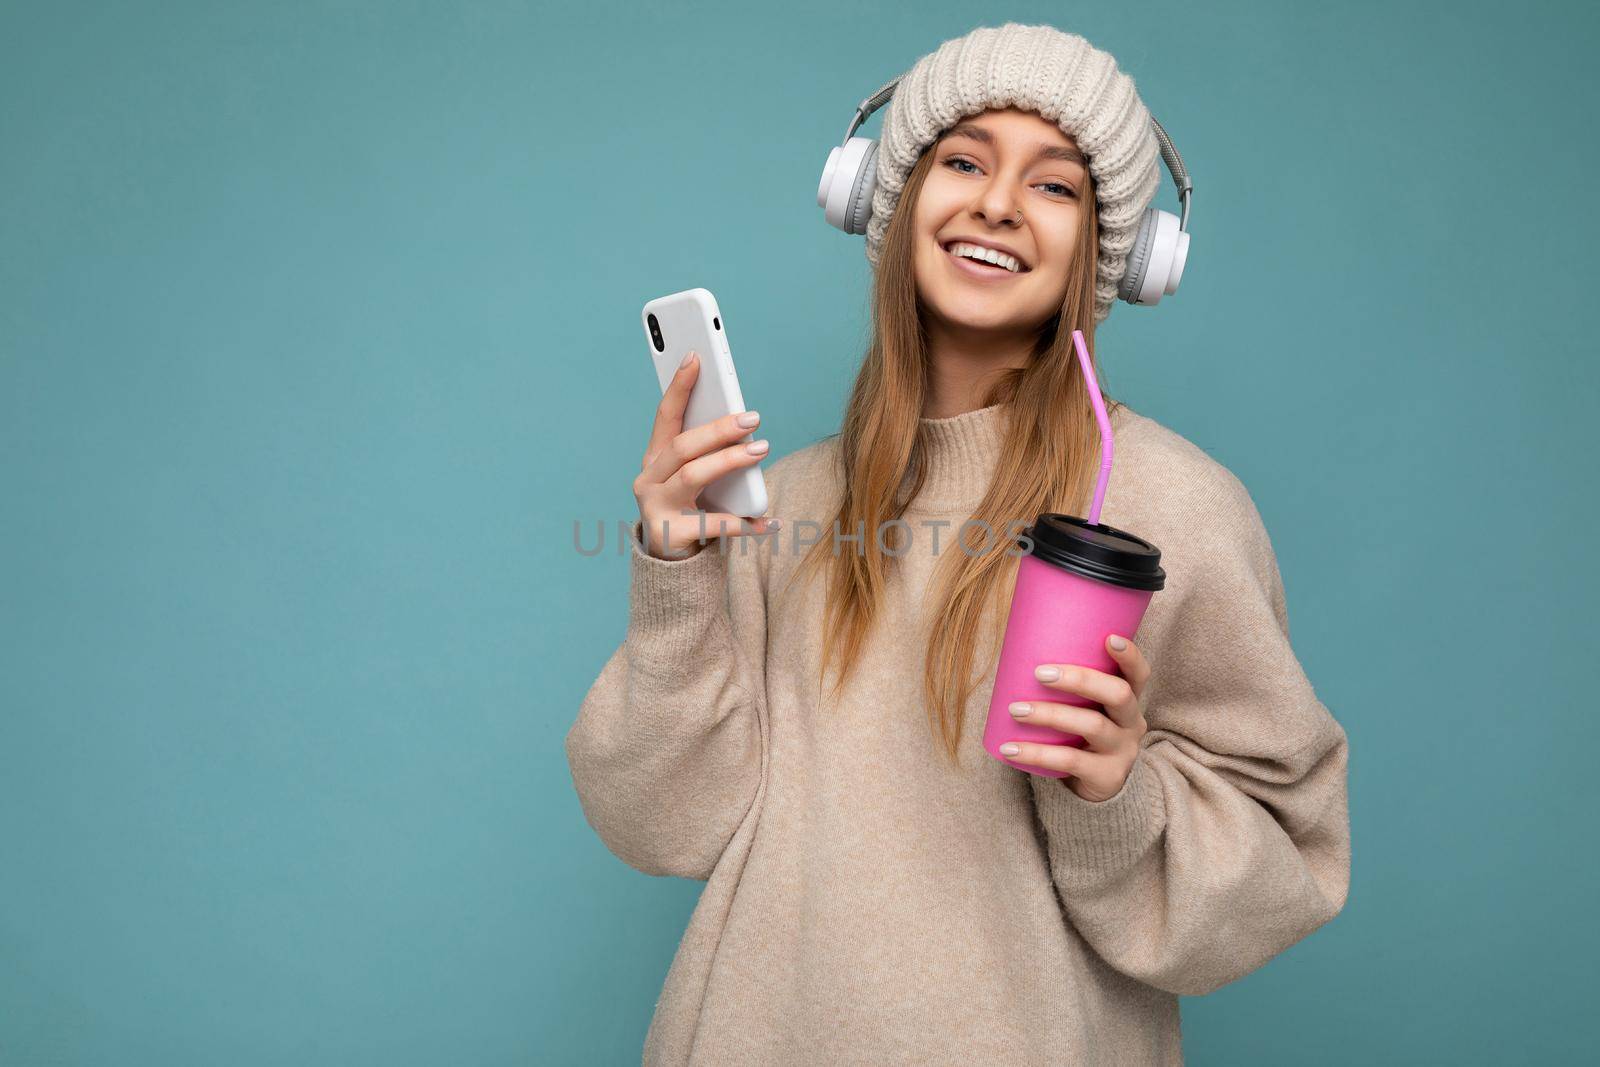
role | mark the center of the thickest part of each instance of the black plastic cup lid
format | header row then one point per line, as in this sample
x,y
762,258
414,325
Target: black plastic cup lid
x,y
1097,551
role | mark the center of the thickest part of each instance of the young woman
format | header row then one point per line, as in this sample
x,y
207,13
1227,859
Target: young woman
x,y
796,713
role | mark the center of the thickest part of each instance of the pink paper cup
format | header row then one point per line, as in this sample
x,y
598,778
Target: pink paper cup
x,y
1078,583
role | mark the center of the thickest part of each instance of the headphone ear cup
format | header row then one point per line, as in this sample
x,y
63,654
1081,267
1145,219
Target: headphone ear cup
x,y
1139,258
1156,261
866,181
848,181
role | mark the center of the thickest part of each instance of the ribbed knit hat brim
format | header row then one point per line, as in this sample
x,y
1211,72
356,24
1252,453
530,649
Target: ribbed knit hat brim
x,y
1063,78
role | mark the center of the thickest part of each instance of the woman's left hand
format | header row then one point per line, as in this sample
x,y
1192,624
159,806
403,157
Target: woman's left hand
x,y
1098,771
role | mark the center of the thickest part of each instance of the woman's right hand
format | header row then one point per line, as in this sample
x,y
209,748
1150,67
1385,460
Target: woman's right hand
x,y
679,463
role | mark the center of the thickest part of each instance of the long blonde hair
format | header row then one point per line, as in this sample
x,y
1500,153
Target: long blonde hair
x,y
1048,462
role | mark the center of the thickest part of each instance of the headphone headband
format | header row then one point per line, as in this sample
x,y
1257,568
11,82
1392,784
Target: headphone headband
x,y
871,104
1169,151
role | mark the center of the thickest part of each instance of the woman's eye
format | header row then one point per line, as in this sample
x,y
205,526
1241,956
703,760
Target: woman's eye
x,y
957,163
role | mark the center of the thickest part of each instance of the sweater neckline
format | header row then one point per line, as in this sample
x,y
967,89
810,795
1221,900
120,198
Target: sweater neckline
x,y
962,452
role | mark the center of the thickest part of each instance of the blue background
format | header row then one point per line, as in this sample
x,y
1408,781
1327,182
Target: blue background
x,y
319,331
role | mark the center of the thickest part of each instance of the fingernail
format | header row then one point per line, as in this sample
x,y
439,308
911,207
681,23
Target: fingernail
x,y
687,356
773,524
749,418
1046,674
1009,749
1118,643
755,448
1019,710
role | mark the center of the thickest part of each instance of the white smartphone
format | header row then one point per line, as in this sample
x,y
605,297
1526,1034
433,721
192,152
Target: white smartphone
x,y
673,325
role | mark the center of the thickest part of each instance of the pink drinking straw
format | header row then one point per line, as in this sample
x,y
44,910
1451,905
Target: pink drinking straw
x,y
1106,448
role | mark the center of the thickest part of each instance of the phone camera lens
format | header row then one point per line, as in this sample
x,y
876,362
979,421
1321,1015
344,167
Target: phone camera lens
x,y
717,323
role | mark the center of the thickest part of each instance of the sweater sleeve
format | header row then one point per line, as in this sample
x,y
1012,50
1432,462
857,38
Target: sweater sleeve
x,y
666,751
1230,840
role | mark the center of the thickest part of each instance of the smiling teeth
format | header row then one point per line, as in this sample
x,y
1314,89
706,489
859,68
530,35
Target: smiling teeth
x,y
987,255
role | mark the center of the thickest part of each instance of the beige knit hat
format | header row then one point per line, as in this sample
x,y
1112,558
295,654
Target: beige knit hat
x,y
1065,80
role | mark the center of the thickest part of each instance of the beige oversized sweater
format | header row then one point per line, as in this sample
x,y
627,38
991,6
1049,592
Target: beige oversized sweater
x,y
867,903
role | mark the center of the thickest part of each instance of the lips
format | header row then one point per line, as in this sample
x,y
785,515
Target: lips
x,y
972,268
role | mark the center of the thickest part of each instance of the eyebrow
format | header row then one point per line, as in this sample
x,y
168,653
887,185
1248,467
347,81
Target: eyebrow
x,y
1048,151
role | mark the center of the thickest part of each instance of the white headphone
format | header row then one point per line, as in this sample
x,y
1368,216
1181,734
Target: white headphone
x,y
1155,263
